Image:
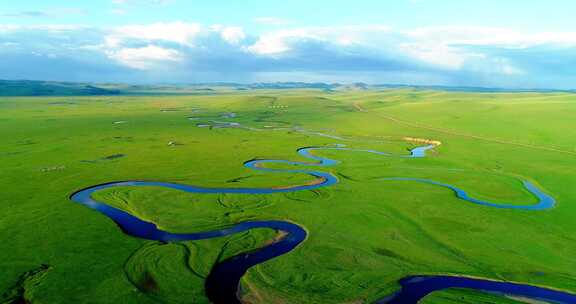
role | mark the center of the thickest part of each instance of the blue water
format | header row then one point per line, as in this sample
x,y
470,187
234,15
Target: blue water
x,y
223,282
544,200
417,287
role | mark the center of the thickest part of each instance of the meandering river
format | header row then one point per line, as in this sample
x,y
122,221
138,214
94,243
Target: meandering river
x,y
222,284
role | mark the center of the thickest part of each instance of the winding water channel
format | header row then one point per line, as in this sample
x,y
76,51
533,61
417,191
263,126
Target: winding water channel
x,y
222,284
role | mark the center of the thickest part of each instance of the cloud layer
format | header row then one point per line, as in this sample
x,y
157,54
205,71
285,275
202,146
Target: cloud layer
x,y
191,52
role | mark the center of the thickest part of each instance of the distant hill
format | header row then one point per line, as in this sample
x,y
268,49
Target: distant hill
x,y
51,88
292,85
360,86
467,89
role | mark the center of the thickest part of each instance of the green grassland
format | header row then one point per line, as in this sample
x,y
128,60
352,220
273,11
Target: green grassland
x,y
364,233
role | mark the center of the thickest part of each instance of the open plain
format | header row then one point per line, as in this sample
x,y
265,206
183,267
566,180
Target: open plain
x,y
365,232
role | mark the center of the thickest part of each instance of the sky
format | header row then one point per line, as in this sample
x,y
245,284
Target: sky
x,y
489,43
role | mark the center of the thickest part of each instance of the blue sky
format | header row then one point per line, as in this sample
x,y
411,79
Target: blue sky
x,y
509,43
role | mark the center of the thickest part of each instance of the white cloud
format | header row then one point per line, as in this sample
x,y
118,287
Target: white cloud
x,y
422,53
232,34
179,32
460,47
145,58
5,28
488,65
283,41
438,54
505,67
467,35
279,42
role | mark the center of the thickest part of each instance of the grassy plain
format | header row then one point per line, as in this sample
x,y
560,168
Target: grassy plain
x,y
365,233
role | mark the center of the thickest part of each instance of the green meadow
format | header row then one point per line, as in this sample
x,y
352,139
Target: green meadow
x,y
365,233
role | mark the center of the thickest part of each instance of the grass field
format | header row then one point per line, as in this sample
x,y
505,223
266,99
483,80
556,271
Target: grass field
x,y
364,233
